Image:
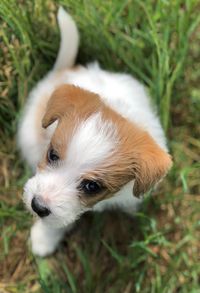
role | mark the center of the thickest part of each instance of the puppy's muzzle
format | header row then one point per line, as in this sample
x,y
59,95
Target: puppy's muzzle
x,y
39,208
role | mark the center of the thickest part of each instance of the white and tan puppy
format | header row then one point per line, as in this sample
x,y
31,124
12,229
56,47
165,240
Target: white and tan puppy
x,y
92,139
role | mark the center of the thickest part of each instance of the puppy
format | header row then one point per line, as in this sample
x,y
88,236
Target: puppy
x,y
92,139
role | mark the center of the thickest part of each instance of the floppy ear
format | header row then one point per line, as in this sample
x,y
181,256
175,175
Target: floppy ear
x,y
58,105
151,165
66,99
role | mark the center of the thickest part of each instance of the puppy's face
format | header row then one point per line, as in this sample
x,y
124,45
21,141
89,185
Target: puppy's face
x,y
93,153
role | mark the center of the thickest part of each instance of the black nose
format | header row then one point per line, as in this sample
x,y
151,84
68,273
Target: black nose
x,y
41,210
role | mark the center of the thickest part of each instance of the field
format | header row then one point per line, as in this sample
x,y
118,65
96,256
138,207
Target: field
x,y
159,250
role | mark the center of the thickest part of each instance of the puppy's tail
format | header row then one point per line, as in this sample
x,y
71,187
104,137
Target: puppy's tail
x,y
69,41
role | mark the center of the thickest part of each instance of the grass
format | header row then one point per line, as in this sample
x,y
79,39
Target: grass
x,y
158,251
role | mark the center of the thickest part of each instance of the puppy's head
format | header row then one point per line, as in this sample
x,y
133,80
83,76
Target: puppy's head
x,y
93,153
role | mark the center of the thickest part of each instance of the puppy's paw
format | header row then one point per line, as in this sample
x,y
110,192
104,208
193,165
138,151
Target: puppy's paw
x,y
42,241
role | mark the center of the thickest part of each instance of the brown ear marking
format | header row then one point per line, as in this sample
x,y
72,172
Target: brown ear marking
x,y
151,166
65,99
138,157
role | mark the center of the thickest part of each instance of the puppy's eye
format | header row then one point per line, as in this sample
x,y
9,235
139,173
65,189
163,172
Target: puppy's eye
x,y
52,156
90,187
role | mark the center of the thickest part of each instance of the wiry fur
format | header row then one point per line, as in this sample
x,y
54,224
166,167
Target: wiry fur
x,y
103,127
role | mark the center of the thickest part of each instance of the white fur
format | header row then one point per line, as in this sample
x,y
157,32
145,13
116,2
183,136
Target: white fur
x,y
57,189
31,147
92,141
44,239
123,200
69,41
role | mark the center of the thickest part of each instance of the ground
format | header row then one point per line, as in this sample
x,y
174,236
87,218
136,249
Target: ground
x,y
158,250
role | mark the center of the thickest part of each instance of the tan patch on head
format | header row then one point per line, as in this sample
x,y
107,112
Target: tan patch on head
x,y
69,105
42,105
69,100
137,155
40,111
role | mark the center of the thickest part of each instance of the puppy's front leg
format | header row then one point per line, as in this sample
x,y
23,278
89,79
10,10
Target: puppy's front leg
x,y
45,239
